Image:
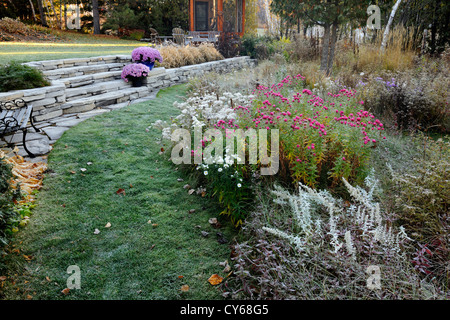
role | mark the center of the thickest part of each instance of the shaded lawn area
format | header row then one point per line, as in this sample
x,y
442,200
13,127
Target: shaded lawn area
x,y
132,259
76,46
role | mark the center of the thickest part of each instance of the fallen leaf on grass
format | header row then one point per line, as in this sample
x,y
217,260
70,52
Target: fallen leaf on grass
x,y
83,169
28,258
89,163
215,279
214,223
221,238
226,265
185,288
121,191
65,291
205,234
96,231
2,278
108,225
48,279
191,191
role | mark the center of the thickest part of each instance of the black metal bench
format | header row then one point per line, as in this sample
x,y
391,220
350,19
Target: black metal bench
x,y
14,117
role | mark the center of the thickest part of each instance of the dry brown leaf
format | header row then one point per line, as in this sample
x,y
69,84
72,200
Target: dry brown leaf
x,y
65,291
121,191
215,279
28,258
185,288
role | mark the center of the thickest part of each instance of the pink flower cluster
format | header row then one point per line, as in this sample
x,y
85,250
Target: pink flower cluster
x,y
274,109
134,70
146,54
358,121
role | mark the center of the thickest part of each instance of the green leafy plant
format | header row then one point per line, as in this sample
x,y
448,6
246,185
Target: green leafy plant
x,y
7,197
15,76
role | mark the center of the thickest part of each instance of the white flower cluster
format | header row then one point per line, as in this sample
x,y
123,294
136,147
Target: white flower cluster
x,y
203,111
208,109
365,215
222,164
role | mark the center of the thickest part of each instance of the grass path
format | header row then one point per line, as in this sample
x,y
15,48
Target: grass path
x,y
132,259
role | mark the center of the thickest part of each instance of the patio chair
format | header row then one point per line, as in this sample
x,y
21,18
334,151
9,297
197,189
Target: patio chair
x,y
154,36
179,36
213,36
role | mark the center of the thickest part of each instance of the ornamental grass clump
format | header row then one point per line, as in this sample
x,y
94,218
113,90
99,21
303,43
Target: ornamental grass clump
x,y
422,203
134,70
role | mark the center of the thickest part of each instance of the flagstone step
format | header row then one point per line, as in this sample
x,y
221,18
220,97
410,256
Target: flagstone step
x,y
90,85
48,65
63,73
85,80
105,99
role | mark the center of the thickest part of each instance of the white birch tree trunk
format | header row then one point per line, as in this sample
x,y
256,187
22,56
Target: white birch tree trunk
x,y
388,26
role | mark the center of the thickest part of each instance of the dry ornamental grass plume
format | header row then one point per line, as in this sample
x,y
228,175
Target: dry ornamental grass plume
x,y
178,56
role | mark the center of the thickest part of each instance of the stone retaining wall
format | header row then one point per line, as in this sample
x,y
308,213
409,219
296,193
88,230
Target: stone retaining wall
x,y
51,102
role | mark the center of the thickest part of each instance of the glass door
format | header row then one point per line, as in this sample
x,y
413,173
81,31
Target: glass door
x,y
201,16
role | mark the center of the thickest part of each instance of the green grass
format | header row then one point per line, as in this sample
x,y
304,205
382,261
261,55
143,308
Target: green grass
x,y
75,45
132,259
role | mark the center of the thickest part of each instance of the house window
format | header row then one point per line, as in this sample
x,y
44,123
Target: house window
x,y
201,16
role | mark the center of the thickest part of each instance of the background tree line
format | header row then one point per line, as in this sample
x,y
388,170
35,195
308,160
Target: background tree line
x,y
162,15
417,16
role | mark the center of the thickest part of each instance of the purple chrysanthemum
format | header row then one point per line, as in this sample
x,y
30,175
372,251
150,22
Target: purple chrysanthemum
x,y
134,70
146,54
